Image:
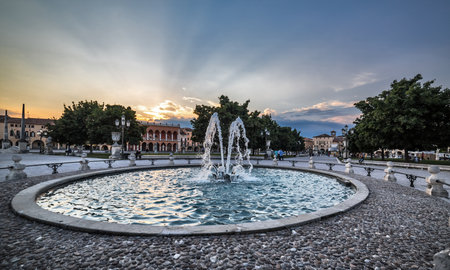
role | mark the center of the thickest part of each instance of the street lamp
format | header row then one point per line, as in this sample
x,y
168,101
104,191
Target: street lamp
x,y
41,133
345,134
123,123
266,135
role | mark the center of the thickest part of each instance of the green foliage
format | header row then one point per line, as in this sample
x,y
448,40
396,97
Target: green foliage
x,y
89,122
409,116
255,124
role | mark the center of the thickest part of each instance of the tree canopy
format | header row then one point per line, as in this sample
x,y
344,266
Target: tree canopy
x,y
409,116
255,125
89,122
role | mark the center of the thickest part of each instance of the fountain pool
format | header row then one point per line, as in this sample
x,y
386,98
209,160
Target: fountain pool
x,y
169,197
227,197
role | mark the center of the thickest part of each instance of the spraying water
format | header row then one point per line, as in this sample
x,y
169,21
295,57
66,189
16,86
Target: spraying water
x,y
223,170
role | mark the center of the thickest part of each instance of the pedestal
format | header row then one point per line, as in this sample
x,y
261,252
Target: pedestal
x,y
16,172
23,147
435,188
115,151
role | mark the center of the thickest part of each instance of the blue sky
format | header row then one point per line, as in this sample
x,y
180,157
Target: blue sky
x,y
305,62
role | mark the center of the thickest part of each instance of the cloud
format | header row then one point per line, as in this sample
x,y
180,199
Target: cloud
x,y
269,111
359,79
343,119
164,111
212,103
192,99
330,111
323,106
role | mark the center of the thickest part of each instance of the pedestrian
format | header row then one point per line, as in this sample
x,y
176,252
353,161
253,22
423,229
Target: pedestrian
x,y
280,153
275,154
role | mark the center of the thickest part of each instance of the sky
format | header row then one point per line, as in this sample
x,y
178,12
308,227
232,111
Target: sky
x,y
304,62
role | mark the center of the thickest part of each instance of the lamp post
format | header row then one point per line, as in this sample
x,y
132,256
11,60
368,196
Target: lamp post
x,y
122,124
266,135
41,133
345,134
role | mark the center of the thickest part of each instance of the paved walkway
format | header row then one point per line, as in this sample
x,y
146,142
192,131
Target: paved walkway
x,y
395,228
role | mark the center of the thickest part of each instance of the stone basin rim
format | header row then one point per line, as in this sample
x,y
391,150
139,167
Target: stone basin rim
x,y
24,204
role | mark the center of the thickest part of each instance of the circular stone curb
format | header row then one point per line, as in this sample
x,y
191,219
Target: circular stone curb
x,y
24,204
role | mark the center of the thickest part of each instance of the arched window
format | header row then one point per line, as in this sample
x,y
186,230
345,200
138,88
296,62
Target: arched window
x,y
32,134
11,133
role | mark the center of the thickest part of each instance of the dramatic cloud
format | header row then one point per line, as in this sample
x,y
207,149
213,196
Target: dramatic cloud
x,y
164,111
331,111
303,60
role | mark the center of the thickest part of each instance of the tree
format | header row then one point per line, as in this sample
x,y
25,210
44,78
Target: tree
x,y
255,125
72,127
409,116
227,111
89,122
101,124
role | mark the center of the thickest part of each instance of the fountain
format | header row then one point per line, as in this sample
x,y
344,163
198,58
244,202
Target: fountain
x,y
223,170
183,200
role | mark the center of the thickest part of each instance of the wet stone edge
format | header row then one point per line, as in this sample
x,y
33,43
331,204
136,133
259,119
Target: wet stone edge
x,y
24,204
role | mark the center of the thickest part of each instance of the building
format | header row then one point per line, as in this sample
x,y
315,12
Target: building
x,y
186,141
309,145
159,137
35,129
328,144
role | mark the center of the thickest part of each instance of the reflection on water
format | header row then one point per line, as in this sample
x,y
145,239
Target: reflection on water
x,y
176,197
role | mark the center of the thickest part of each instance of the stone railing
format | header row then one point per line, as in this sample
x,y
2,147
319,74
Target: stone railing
x,y
435,183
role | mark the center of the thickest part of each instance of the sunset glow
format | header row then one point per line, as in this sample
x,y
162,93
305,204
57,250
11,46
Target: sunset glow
x,y
303,62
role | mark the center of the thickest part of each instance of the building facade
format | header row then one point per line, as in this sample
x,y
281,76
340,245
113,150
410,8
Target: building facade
x,y
309,145
328,144
186,141
159,138
35,129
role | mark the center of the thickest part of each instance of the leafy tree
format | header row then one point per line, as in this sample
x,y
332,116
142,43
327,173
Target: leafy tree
x,y
89,122
409,116
255,125
72,127
227,111
101,125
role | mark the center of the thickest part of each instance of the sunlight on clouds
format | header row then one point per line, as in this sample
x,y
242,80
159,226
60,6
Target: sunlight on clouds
x,y
359,79
192,99
164,111
326,106
269,111
342,119
212,103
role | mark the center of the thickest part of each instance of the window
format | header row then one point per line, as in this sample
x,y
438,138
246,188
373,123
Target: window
x,y
32,134
11,133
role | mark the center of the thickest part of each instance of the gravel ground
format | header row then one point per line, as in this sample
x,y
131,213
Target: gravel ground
x,y
395,228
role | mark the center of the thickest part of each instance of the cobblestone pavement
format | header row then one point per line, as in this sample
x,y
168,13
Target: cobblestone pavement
x,y
397,227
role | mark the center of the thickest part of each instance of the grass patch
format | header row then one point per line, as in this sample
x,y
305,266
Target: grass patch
x,y
98,155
